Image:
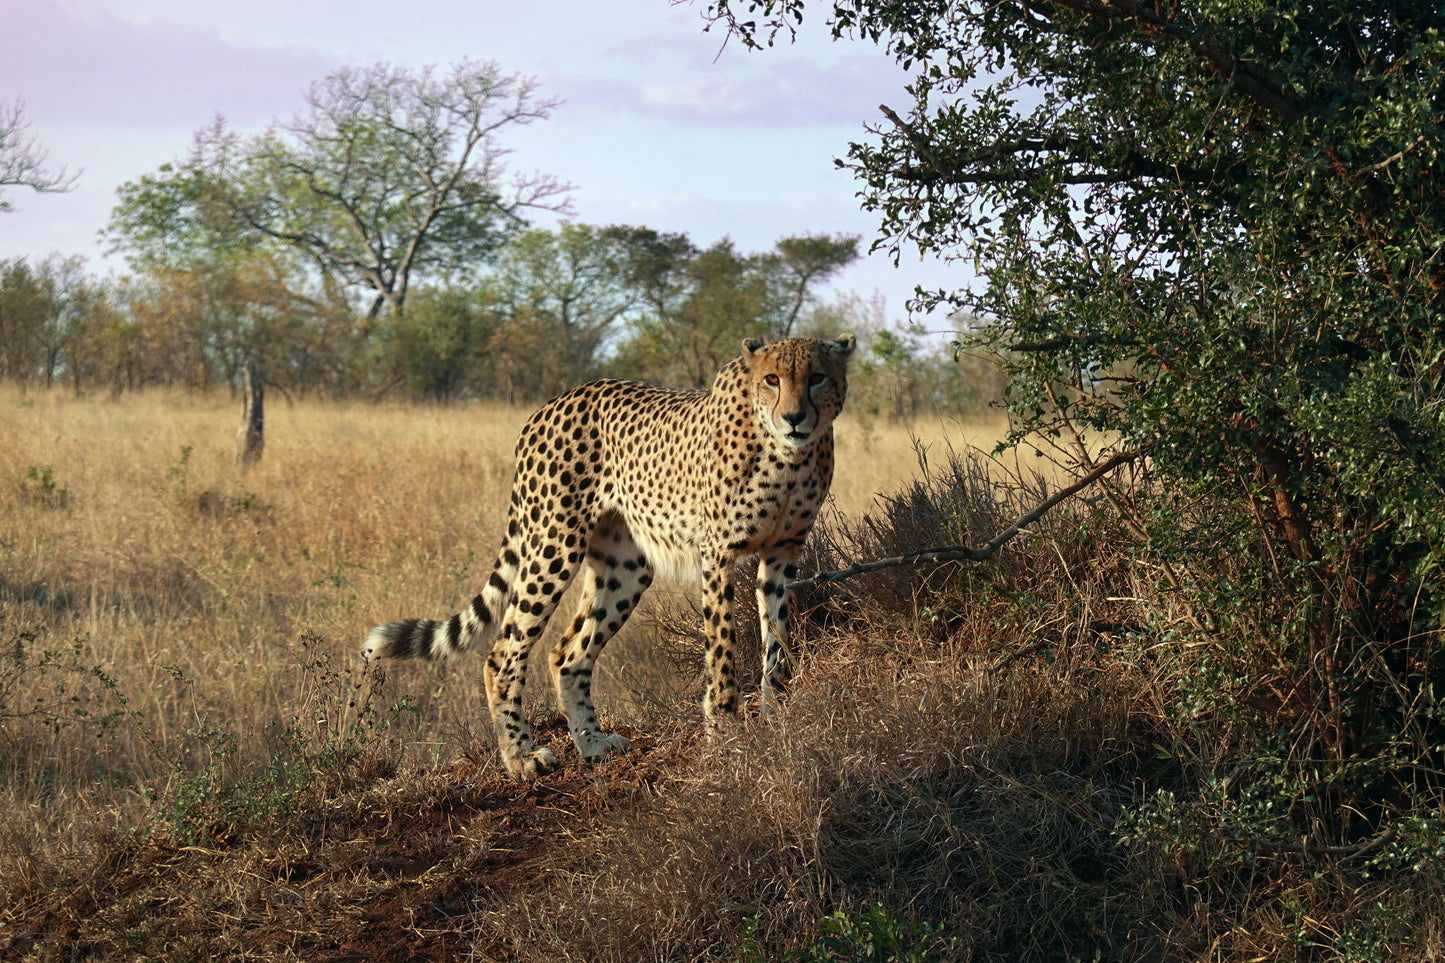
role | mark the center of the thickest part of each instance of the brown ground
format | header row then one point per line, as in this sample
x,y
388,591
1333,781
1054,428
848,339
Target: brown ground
x,y
412,867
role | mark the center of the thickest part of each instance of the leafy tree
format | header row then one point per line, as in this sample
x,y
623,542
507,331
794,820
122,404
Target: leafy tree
x,y
23,162
700,304
570,288
899,374
23,304
895,359
45,313
199,325
1211,232
175,219
444,341
389,173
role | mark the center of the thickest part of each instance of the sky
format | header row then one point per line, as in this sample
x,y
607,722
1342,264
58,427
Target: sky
x,y
662,124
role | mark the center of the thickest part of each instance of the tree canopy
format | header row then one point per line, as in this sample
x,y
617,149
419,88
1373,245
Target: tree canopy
x,y
388,174
701,303
1209,232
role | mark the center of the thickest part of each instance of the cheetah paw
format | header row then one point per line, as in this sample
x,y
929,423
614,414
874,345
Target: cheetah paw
x,y
532,764
595,747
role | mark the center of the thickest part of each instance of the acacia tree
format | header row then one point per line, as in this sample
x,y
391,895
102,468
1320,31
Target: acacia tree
x,y
1210,232
388,174
798,264
23,162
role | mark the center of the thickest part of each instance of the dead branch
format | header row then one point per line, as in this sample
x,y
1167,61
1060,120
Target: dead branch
x,y
962,553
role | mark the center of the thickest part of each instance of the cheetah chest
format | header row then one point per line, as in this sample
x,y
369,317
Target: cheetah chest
x,y
774,509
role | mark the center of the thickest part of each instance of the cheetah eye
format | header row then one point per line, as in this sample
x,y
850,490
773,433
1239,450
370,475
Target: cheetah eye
x,y
770,380
816,379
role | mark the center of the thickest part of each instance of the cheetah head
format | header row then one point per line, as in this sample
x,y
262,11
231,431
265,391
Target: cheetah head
x,y
798,385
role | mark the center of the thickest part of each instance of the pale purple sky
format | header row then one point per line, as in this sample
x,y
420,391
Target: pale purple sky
x,y
662,125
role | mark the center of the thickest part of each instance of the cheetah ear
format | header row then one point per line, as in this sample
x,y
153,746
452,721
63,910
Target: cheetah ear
x,y
752,345
846,342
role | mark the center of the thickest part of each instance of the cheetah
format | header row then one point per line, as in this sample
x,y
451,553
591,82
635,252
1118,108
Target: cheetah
x,y
623,481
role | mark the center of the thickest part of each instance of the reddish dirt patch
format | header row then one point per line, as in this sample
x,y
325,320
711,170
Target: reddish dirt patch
x,y
425,917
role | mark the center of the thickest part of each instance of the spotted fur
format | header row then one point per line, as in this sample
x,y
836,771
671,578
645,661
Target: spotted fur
x,y
620,481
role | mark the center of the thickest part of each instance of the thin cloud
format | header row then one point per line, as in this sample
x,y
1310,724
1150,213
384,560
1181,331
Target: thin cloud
x,y
793,93
101,69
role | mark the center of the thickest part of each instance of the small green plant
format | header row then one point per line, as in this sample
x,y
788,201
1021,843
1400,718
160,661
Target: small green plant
x,y
56,689
178,473
873,936
218,792
201,802
215,794
42,489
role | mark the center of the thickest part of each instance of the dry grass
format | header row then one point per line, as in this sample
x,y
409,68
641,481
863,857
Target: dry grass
x,y
957,750
190,585
125,529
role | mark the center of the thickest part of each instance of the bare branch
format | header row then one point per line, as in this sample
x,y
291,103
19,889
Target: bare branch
x,y
22,159
1392,159
962,553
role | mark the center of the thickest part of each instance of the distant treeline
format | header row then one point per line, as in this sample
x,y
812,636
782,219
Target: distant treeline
x,y
554,308
377,243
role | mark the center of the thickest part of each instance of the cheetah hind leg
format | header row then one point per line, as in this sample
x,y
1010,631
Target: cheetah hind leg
x,y
520,753
616,575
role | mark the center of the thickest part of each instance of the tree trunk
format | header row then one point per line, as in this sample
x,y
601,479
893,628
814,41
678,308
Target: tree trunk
x,y
252,438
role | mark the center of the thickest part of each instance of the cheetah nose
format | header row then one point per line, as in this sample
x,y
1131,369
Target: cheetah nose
x,y
794,418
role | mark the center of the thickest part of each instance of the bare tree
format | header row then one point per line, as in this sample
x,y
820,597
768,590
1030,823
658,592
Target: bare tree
x,y
23,162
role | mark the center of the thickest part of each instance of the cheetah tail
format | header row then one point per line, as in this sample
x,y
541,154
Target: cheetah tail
x,y
428,638
431,639
411,639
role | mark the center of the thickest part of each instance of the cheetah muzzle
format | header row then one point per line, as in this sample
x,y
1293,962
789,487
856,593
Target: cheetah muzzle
x,y
617,481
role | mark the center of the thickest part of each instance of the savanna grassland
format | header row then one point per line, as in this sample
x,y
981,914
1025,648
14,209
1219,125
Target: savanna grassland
x,y
975,762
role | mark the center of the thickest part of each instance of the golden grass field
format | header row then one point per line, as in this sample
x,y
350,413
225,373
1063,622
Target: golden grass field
x,y
126,530
187,771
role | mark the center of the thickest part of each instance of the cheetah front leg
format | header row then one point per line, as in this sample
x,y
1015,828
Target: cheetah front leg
x,y
721,701
774,573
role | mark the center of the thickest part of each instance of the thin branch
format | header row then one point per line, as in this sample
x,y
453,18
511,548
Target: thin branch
x,y
23,161
962,553
1358,850
1065,151
1392,159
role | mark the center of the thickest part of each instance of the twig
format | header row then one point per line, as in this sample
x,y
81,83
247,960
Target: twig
x,y
1392,159
919,142
1017,654
1356,851
962,553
